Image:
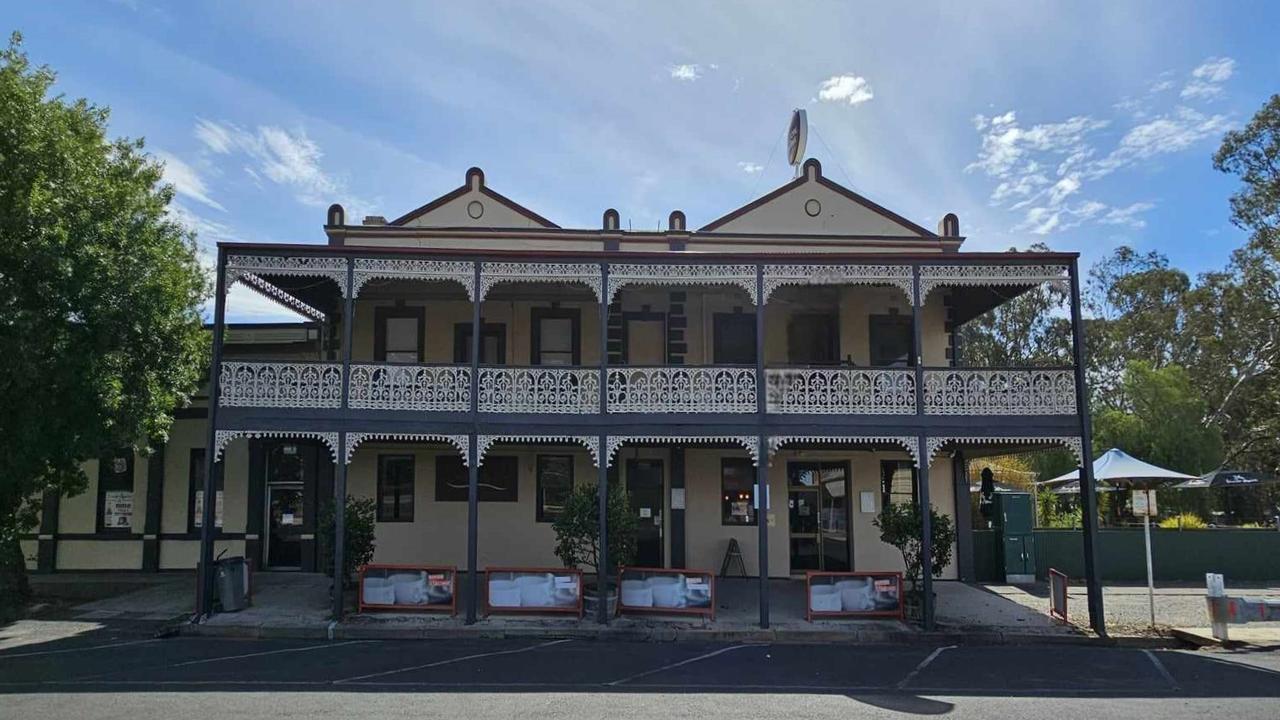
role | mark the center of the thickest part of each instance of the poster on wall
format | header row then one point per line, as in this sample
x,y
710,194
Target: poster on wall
x,y
198,513
117,509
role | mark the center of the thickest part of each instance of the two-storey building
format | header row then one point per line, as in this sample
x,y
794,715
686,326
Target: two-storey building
x,y
776,376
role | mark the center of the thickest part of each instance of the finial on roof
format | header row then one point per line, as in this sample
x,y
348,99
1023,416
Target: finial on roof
x,y
949,226
475,178
812,169
336,215
675,221
611,220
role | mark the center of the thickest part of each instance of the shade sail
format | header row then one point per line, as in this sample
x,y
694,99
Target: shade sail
x,y
1117,467
1227,478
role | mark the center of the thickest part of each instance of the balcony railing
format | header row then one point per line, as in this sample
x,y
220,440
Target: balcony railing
x,y
682,390
280,384
838,391
539,390
961,391
442,388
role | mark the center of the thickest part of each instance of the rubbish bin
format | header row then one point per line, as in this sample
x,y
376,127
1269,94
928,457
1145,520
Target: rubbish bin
x,y
231,591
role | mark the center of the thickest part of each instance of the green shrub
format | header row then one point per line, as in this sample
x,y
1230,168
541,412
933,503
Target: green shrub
x,y
902,526
1183,521
359,541
577,529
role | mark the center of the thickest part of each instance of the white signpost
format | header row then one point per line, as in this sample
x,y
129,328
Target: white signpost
x,y
1144,504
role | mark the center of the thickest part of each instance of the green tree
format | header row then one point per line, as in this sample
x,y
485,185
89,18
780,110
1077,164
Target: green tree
x,y
1253,153
1159,419
1025,331
100,291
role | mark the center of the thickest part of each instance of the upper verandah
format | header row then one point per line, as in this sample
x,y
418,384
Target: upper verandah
x,y
809,214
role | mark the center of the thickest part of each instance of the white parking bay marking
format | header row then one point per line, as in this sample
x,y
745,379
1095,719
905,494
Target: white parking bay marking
x,y
79,649
923,664
1164,671
672,666
450,661
307,648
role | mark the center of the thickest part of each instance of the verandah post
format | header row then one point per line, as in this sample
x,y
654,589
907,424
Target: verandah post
x,y
204,587
1088,496
922,476
762,455
602,562
473,455
340,464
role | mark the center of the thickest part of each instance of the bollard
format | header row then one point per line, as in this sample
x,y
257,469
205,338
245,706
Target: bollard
x,y
1215,596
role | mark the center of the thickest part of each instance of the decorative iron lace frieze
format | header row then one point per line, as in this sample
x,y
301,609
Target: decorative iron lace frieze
x,y
1000,392
837,391
908,442
334,268
410,387
936,276
749,442
459,271
776,276
590,442
1071,443
539,390
222,437
682,389
280,384
492,273
624,274
459,442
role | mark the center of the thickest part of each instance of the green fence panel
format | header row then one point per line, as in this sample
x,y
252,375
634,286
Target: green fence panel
x,y
986,558
1177,555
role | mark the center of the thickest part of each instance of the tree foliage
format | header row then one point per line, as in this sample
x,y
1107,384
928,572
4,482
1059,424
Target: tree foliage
x,y
99,293
1028,330
1159,418
577,529
902,526
358,535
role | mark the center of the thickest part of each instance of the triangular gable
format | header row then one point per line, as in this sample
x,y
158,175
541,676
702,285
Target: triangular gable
x,y
473,205
814,205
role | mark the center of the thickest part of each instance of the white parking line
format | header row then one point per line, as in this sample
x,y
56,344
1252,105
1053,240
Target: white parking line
x,y
80,649
306,648
1168,676
699,658
923,664
438,663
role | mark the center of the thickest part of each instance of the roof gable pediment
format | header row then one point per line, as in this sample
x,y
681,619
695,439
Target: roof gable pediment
x,y
473,206
813,205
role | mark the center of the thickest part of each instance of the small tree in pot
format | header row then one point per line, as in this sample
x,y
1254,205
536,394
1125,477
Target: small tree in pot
x,y
902,526
577,532
358,537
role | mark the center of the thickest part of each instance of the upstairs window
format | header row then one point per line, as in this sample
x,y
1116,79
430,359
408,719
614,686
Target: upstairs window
x,y
812,339
734,339
557,335
892,341
493,344
398,334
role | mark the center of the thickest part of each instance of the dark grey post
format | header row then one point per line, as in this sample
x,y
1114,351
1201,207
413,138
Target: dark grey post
x,y
602,570
1088,495
473,462
205,586
340,467
964,517
922,477
762,454
155,503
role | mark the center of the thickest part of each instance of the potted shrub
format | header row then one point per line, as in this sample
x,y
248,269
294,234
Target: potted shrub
x,y
901,525
577,532
358,537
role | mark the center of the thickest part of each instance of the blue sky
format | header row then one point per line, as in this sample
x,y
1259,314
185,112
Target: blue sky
x,y
1082,125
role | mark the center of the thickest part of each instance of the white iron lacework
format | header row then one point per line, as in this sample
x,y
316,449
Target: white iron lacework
x,y
838,391
682,389
776,276
410,387
334,268
748,442
280,384
1072,443
590,442
492,273
744,276
542,389
963,391
936,276
459,271
222,437
908,442
271,292
459,442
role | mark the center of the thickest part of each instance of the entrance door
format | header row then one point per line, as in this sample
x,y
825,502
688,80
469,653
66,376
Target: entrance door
x,y
644,486
288,467
818,509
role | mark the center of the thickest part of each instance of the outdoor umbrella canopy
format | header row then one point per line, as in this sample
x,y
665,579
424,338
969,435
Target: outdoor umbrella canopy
x,y
1226,478
1117,467
1073,488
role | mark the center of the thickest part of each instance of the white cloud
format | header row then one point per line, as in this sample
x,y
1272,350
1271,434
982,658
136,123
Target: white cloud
x,y
1063,188
750,168
1206,80
186,181
1127,215
851,89
289,159
686,73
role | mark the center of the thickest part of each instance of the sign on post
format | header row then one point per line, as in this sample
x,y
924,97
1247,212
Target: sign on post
x,y
1144,503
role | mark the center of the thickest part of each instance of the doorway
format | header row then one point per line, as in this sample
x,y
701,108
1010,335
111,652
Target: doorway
x,y
818,508
644,487
286,506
